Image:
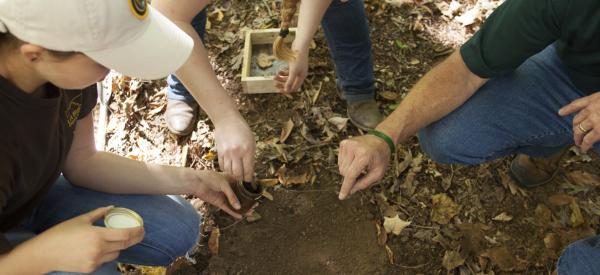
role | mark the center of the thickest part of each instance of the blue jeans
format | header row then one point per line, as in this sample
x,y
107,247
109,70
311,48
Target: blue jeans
x,y
516,113
350,49
175,89
347,31
171,224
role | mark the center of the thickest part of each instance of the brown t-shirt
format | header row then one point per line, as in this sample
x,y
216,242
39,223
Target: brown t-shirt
x,y
35,136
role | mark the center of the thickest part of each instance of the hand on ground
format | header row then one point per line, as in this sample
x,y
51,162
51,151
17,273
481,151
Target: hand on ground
x,y
362,161
215,188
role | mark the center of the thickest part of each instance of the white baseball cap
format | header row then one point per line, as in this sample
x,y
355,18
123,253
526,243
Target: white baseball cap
x,y
128,36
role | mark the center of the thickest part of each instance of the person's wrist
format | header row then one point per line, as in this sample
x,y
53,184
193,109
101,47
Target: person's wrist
x,y
190,180
226,118
387,140
31,251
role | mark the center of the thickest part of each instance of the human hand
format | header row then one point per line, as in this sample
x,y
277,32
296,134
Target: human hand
x,y
215,188
77,246
586,124
362,161
291,80
235,147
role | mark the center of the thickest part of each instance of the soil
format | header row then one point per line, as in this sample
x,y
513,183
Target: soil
x,y
302,232
306,229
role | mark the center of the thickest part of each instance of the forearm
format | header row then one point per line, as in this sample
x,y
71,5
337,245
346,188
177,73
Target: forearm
x,y
197,74
20,260
110,173
310,16
439,92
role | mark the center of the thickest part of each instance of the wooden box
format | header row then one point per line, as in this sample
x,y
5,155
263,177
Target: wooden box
x,y
254,79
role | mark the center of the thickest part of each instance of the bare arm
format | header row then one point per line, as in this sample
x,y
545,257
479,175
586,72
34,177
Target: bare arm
x,y
110,173
439,92
311,14
197,74
235,141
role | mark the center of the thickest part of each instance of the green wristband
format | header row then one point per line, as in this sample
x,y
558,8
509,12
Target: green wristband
x,y
385,138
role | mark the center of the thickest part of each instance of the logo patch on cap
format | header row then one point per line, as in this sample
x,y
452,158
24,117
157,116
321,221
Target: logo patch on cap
x,y
139,8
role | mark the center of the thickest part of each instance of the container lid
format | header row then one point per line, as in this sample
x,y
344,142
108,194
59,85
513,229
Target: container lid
x,y
119,217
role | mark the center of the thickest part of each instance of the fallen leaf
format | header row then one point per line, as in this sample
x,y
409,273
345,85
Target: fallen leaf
x,y
253,217
472,237
294,180
153,270
390,254
503,258
340,123
552,242
210,156
560,199
394,225
503,217
543,215
414,61
268,182
399,3
452,259
213,241
267,195
576,216
388,95
286,131
469,16
585,178
443,208
381,235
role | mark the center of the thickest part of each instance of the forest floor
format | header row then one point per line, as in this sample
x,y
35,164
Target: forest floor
x,y
442,218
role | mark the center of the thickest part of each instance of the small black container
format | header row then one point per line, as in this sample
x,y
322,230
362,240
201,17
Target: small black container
x,y
247,193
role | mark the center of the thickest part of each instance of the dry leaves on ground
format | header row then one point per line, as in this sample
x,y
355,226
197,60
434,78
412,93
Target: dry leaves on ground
x,y
443,208
394,225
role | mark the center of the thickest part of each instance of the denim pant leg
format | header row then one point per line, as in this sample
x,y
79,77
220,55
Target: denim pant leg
x,y
581,257
346,29
171,224
176,90
516,113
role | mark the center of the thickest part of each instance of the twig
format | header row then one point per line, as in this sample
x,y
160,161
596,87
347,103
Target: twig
x,y
425,227
227,227
268,9
308,191
411,267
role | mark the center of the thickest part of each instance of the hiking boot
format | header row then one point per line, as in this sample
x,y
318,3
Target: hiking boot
x,y
180,116
531,172
364,114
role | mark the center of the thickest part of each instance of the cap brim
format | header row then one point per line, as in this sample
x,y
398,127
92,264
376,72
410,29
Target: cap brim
x,y
161,50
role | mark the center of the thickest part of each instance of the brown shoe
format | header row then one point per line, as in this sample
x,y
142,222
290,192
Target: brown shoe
x,y
531,172
364,114
180,116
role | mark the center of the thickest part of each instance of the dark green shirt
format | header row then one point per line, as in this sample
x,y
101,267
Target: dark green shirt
x,y
518,29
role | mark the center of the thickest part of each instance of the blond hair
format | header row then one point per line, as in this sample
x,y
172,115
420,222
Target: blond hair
x,y
288,10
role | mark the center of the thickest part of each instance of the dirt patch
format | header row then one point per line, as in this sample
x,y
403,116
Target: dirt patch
x,y
302,232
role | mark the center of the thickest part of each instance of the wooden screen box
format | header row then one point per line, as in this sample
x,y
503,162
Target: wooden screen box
x,y
259,43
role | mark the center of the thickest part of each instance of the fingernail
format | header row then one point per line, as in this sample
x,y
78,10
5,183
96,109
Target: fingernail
x,y
237,205
342,196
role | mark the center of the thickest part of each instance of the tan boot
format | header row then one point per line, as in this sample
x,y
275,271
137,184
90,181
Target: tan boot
x,y
180,116
531,172
364,114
